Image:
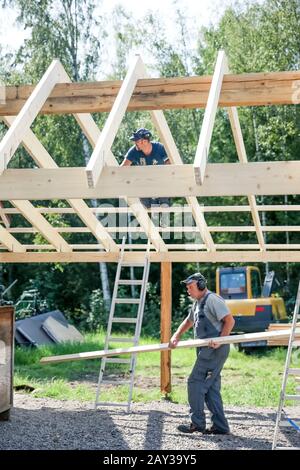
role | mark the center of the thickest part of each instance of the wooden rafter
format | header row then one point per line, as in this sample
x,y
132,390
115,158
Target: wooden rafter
x,y
107,180
248,89
42,225
112,124
171,209
202,151
183,256
10,242
3,215
30,110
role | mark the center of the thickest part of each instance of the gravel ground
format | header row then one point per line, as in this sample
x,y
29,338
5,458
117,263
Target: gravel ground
x,y
40,423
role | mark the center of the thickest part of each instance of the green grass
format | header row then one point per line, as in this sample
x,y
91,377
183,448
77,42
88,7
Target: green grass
x,y
253,379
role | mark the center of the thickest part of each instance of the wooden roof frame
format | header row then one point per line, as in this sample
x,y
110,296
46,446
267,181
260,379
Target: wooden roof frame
x,y
102,178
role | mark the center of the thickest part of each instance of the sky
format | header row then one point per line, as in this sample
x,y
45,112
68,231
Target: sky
x,y
199,12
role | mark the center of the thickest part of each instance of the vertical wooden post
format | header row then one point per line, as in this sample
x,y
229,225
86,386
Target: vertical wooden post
x,y
166,317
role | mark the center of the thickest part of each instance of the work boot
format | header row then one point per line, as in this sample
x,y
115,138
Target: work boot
x,y
189,429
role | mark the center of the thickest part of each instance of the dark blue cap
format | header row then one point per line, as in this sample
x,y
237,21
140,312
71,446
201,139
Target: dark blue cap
x,y
141,134
194,277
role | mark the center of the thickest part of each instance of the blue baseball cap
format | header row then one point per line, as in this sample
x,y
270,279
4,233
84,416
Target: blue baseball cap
x,y
141,134
194,277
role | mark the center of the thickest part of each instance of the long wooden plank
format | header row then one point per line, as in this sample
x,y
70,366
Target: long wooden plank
x,y
253,89
202,151
222,179
234,339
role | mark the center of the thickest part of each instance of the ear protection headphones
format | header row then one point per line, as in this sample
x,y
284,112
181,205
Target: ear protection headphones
x,y
201,283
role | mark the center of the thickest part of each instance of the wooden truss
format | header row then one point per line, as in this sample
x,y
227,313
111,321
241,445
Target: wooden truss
x,y
103,178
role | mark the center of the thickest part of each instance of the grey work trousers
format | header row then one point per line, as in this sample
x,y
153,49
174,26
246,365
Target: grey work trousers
x,y
204,386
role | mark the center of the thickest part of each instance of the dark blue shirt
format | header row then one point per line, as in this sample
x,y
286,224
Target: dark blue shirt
x,y
158,155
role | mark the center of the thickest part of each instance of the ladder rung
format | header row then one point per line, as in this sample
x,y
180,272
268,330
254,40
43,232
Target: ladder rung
x,y
110,403
292,397
120,340
132,265
124,320
126,282
116,360
127,301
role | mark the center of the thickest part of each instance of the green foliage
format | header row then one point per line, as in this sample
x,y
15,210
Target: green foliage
x,y
98,315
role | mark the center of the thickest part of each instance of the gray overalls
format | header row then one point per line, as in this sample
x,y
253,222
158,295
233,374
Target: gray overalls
x,y
204,382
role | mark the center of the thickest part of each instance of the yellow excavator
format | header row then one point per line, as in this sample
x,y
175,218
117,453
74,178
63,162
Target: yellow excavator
x,y
253,306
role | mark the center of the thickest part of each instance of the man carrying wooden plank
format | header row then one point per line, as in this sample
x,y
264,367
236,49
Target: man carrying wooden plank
x,y
210,318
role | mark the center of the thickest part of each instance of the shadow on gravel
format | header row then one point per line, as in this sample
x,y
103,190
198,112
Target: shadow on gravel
x,y
58,428
53,428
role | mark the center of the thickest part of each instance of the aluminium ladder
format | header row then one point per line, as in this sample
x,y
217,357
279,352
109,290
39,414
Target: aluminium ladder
x,y
288,371
134,340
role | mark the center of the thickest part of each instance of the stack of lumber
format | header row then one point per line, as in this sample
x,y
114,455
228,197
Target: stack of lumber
x,y
283,341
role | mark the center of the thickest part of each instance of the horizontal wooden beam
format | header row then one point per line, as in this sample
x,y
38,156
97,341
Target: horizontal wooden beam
x,y
233,256
221,179
193,343
171,229
251,89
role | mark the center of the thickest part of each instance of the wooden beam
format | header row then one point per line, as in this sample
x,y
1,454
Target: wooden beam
x,y
44,160
241,151
171,246
177,209
202,151
10,242
3,215
222,179
166,137
30,110
92,132
249,89
99,156
188,229
42,225
146,224
165,326
184,256
234,339
175,158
